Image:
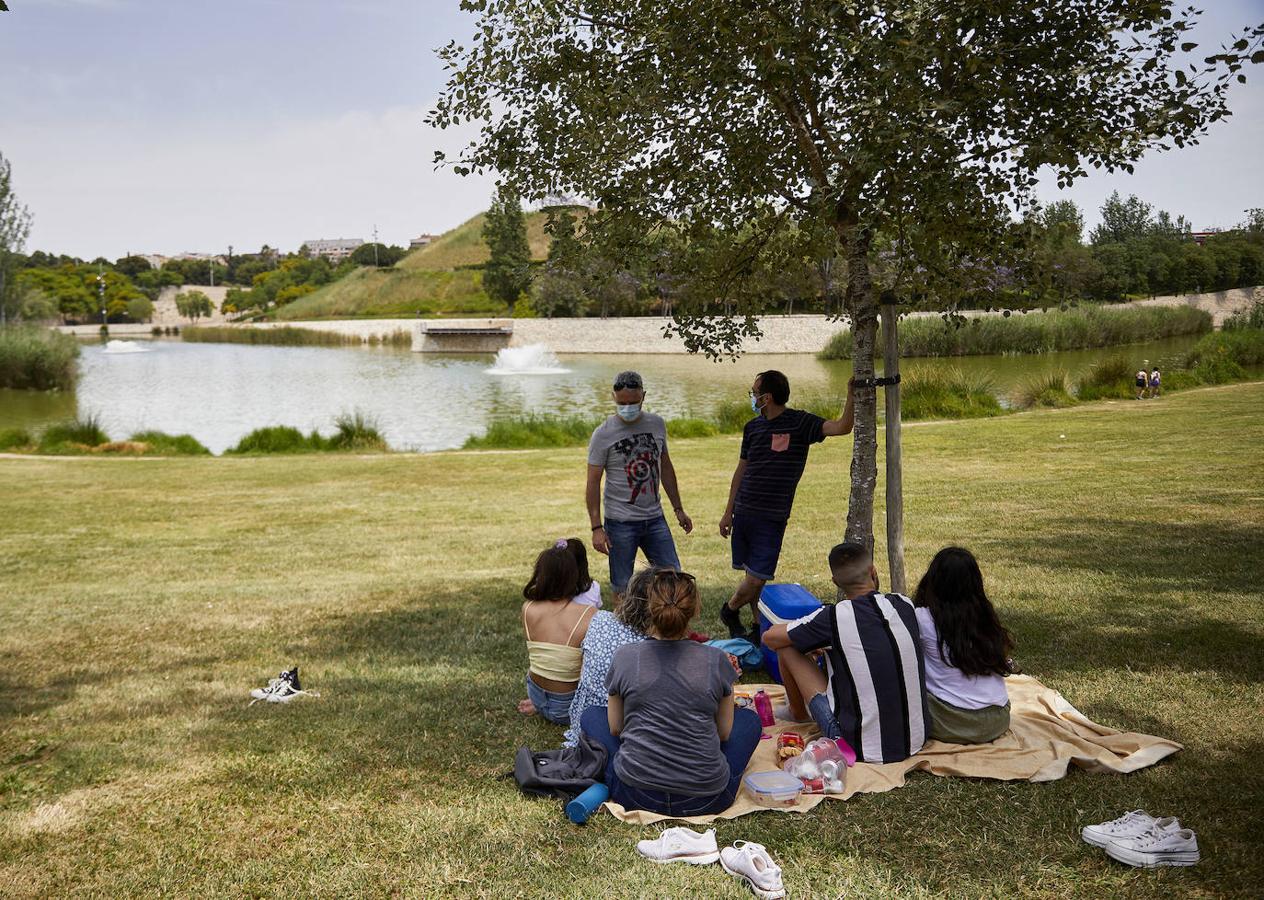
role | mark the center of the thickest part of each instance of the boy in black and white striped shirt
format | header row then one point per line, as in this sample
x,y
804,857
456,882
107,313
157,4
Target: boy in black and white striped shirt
x,y
873,692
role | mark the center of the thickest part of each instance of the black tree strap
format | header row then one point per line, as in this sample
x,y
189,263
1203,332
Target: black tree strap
x,y
876,382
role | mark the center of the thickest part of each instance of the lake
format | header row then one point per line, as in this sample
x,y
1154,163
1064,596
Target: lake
x,y
422,401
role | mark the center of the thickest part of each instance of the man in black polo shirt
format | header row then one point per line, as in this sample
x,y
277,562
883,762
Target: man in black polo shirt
x,y
774,450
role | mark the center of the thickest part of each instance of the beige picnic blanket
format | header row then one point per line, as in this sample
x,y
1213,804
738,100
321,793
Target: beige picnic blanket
x,y
1047,736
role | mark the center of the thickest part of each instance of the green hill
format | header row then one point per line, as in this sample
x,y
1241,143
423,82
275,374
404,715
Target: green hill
x,y
463,245
440,279
386,293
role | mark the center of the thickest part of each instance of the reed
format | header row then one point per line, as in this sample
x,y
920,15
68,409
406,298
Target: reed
x,y
74,436
37,359
1080,328
1053,390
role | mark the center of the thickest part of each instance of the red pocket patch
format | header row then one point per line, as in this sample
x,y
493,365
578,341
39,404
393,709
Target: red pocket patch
x,y
780,442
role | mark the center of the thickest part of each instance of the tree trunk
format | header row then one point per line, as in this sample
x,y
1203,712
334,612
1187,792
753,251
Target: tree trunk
x,y
862,306
895,478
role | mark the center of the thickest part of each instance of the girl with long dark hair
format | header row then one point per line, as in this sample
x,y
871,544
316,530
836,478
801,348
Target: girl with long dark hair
x,y
966,649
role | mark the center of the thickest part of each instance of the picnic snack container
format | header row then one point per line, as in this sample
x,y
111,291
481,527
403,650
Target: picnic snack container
x,y
773,789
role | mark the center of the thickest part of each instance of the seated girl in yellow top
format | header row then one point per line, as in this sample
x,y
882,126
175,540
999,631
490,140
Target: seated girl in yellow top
x,y
555,626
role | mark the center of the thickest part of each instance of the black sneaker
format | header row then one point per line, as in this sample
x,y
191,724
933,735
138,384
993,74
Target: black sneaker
x,y
753,634
282,689
733,619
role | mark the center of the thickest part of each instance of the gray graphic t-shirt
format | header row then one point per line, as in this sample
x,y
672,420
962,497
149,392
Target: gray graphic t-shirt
x,y
632,456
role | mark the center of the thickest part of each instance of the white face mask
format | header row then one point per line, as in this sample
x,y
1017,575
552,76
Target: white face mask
x,y
628,412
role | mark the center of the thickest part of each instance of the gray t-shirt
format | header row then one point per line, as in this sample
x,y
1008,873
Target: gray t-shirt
x,y
671,691
632,455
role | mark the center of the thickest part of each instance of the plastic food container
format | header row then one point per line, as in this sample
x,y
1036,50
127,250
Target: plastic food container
x,y
773,789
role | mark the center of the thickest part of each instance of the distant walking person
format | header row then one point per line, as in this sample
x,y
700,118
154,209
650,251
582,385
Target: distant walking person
x,y
630,450
1156,383
1143,379
774,451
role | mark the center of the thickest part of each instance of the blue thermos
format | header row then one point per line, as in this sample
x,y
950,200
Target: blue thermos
x,y
583,806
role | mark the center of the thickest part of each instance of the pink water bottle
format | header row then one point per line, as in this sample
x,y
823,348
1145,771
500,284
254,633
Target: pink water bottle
x,y
763,706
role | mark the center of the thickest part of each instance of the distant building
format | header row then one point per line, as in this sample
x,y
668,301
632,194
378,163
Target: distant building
x,y
1199,237
421,240
333,250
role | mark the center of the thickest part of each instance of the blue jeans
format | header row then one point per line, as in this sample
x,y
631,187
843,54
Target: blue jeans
x,y
552,705
743,740
649,535
819,710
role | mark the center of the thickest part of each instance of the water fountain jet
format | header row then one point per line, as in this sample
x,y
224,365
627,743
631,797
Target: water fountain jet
x,y
533,359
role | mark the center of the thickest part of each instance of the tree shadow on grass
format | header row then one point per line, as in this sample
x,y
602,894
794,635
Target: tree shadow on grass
x,y
1205,557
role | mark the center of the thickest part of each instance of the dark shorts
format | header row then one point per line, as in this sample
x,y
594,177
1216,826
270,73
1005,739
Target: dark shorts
x,y
1141,382
757,545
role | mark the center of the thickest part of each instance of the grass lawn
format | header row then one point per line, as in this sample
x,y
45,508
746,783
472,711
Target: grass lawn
x,y
141,599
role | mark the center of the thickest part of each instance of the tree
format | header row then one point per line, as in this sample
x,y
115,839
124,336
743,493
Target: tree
x,y
386,255
1123,219
140,309
904,133
508,272
15,226
194,305
1063,223
132,266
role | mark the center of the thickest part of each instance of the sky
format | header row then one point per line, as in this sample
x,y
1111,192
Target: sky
x,y
166,126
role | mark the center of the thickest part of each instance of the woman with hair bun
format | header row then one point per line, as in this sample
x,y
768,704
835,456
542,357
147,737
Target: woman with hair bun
x,y
678,746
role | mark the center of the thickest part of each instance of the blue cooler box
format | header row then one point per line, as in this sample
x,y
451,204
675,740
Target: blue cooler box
x,y
780,604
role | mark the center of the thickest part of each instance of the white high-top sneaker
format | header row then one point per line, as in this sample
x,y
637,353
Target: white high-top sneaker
x,y
681,845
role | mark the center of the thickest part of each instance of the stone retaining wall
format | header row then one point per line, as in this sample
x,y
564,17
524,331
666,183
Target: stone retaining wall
x,y
782,334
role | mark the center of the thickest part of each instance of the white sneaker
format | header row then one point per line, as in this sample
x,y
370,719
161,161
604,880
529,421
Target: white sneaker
x,y
782,713
1160,846
751,863
681,845
1129,825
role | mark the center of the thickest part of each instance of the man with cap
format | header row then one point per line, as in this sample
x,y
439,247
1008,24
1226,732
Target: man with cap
x,y
630,450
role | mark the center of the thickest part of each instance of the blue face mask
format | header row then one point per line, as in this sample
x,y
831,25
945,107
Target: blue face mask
x,y
755,403
628,412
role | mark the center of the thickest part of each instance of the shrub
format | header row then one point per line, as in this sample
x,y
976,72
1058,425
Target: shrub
x,y
356,431
1036,332
946,395
691,428
1110,378
37,359
279,439
732,415
74,435
15,439
535,431
1252,317
170,444
1051,390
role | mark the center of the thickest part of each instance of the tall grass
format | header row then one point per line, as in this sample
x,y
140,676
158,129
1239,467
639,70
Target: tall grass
x,y
357,431
535,431
15,439
37,359
1052,390
947,395
1038,332
163,444
1252,317
72,436
278,439
1112,378
290,336
354,431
